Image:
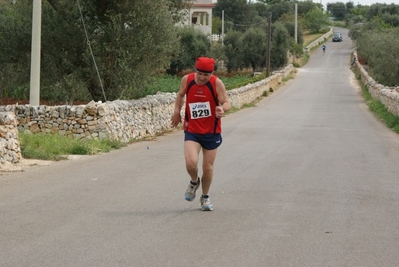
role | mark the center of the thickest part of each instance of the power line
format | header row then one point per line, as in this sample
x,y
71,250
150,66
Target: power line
x,y
245,25
91,51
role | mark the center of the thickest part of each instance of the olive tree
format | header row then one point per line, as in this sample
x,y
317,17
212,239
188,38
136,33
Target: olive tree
x,y
233,48
384,57
315,20
254,48
192,44
376,44
280,46
128,41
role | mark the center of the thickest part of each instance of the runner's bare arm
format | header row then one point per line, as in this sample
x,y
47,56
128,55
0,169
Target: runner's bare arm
x,y
179,102
223,98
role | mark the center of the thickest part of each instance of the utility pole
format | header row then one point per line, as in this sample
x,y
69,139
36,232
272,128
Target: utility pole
x,y
222,27
34,99
269,36
296,23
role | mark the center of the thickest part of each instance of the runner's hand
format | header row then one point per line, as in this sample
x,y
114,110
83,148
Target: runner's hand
x,y
176,119
219,112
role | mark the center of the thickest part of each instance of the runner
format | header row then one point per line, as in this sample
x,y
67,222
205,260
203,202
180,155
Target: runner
x,y
206,103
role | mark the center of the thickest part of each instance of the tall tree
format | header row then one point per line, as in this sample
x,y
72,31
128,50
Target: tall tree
x,y
315,19
337,9
179,9
233,50
254,47
128,40
236,11
280,9
280,46
192,44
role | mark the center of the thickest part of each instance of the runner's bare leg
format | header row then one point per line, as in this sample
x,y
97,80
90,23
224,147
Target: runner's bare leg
x,y
191,153
209,157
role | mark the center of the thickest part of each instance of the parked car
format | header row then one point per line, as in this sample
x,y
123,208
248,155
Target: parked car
x,y
337,37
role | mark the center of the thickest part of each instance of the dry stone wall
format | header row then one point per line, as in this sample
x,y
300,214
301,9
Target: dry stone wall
x,y
121,120
389,96
125,120
10,151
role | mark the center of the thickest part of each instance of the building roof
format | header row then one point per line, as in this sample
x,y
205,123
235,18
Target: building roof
x,y
204,5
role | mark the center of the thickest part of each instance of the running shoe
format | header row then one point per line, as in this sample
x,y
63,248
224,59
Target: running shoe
x,y
190,192
206,203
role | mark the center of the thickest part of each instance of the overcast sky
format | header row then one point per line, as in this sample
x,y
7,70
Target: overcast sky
x,y
362,2
355,2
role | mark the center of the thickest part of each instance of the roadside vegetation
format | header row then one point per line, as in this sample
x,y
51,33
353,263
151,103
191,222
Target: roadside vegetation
x,y
151,59
375,32
236,79
58,147
378,50
378,108
101,52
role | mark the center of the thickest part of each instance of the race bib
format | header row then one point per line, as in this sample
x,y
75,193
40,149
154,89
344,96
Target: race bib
x,y
200,110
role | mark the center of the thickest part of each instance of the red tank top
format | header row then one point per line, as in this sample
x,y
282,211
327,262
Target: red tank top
x,y
201,102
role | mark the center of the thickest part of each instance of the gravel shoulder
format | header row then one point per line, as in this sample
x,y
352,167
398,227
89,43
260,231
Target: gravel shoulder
x,y
23,165
26,164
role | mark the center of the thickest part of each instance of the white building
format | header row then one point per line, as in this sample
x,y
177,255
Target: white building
x,y
200,15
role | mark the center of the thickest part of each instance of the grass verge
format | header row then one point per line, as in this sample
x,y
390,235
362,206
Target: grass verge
x,y
381,112
379,109
57,147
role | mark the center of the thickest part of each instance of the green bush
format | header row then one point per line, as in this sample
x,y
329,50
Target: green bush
x,y
377,46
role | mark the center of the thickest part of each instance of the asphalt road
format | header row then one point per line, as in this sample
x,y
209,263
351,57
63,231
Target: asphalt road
x,y
308,177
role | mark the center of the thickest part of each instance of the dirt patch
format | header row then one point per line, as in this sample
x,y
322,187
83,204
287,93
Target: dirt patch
x,y
23,165
26,164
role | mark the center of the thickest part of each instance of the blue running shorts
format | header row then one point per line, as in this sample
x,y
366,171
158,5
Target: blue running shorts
x,y
207,141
